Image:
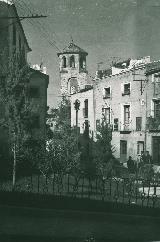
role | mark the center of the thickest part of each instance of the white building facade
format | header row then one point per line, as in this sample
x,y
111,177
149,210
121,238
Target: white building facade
x,y
129,101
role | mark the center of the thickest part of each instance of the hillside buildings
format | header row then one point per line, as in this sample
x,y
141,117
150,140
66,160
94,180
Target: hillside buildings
x,y
126,97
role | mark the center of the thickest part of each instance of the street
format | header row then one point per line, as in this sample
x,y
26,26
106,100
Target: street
x,y
27,224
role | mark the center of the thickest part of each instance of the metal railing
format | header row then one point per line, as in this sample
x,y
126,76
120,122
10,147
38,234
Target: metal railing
x,y
131,190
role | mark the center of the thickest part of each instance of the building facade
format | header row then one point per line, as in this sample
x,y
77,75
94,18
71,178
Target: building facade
x,y
13,43
128,100
73,69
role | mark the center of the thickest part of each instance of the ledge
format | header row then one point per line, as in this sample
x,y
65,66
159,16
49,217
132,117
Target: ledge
x,y
125,132
154,130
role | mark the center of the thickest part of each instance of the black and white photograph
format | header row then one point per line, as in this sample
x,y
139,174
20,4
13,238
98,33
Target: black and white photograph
x,y
80,121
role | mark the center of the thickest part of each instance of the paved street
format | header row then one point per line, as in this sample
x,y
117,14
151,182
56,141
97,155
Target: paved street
x,y
27,224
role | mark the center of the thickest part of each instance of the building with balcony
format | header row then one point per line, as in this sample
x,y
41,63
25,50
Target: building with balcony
x,y
128,100
85,114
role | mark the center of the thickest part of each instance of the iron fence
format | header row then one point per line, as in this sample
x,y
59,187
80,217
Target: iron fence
x,y
129,190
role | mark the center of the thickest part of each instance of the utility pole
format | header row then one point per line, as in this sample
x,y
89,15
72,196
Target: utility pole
x,y
17,18
145,134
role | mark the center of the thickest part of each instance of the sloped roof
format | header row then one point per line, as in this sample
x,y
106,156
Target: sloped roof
x,y
12,5
72,49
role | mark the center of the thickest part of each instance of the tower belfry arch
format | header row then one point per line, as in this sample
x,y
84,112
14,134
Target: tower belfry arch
x,y
73,69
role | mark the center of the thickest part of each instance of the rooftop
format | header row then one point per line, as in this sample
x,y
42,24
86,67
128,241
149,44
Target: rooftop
x,y
73,49
11,5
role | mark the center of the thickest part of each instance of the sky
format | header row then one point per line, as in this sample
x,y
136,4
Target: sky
x,y
109,30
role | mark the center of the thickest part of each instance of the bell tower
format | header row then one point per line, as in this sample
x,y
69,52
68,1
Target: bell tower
x,y
73,72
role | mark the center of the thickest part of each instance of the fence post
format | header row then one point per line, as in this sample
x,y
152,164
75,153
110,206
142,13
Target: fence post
x,y
110,187
38,182
46,185
89,187
68,183
82,187
154,196
103,189
53,184
123,190
31,183
143,195
96,188
149,186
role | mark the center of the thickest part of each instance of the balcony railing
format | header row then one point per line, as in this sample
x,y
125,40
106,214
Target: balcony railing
x,y
107,96
126,93
125,128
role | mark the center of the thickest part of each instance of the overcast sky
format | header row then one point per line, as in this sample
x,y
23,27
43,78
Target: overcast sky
x,y
107,29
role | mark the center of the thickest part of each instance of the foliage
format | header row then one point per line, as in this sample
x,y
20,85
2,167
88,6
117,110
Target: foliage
x,y
62,150
103,152
31,157
146,172
62,115
13,86
68,151
14,79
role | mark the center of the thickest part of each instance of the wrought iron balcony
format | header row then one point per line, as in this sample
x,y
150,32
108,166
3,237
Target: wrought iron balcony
x,y
125,128
107,96
126,93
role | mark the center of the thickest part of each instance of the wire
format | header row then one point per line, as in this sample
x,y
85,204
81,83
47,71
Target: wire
x,y
38,25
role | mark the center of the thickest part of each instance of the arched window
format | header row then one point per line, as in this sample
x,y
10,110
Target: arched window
x,y
64,62
82,62
72,61
72,85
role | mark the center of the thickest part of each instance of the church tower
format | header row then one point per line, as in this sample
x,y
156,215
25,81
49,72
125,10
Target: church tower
x,y
73,73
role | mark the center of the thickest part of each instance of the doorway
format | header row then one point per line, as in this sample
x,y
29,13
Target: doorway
x,y
156,150
123,150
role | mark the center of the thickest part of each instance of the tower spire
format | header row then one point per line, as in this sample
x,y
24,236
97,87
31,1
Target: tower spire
x,y
72,41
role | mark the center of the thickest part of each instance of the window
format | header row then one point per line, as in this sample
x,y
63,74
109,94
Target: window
x,y
34,92
14,35
157,109
115,124
138,123
82,62
64,62
85,110
156,150
126,89
107,92
126,114
72,61
123,147
140,147
35,121
107,113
